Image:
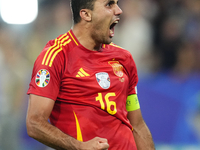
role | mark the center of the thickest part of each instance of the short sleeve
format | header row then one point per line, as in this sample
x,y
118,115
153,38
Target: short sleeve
x,y
132,74
47,72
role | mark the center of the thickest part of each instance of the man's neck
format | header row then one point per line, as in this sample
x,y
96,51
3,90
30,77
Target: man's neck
x,y
84,37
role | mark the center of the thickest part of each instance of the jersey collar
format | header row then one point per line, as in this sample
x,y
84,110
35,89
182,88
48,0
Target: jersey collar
x,y
74,39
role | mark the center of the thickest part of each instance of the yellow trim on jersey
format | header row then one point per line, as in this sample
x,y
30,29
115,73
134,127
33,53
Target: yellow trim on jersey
x,y
59,46
132,103
112,44
78,129
55,49
53,57
51,48
44,58
73,38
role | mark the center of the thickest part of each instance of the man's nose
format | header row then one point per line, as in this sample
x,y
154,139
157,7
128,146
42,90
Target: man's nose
x,y
118,10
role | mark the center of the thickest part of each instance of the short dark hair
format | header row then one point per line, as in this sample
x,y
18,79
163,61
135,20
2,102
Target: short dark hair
x,y
77,5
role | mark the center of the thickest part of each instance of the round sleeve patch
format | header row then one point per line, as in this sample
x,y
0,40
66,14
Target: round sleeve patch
x,y
42,78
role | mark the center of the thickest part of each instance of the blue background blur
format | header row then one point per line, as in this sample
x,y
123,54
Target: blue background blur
x,y
164,39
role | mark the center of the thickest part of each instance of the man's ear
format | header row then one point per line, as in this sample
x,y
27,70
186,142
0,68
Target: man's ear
x,y
86,15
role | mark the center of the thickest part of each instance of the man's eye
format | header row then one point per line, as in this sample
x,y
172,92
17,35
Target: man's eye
x,y
110,3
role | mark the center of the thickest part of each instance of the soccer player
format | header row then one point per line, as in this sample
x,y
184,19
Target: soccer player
x,y
86,86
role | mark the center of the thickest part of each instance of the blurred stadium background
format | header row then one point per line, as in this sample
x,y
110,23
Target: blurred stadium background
x,y
164,39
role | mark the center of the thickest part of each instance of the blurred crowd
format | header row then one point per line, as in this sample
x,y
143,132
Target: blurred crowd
x,y
162,35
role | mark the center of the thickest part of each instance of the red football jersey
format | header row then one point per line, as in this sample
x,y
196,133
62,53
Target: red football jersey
x,y
90,89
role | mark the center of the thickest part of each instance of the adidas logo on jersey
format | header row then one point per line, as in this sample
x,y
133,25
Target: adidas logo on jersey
x,y
82,73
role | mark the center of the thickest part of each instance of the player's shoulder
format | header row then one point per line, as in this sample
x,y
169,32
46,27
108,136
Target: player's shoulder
x,y
57,45
54,50
59,42
118,49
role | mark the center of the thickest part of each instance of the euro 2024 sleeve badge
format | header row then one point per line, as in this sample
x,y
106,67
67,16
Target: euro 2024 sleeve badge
x,y
42,78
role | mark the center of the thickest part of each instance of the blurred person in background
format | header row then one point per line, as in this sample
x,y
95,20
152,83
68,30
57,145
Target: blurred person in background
x,y
87,86
177,21
176,51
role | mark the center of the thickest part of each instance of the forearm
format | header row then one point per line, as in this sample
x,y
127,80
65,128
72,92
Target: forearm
x,y
143,137
51,136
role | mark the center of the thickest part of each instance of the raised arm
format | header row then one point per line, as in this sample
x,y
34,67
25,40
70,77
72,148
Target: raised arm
x,y
141,133
38,127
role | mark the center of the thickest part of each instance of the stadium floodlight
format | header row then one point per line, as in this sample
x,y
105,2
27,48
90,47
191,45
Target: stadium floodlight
x,y
18,11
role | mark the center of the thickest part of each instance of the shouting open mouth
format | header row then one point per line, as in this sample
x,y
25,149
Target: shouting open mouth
x,y
112,27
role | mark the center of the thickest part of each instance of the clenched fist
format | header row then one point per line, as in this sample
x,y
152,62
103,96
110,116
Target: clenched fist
x,y
96,143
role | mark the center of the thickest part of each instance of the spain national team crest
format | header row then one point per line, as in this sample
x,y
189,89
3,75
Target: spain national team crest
x,y
103,79
42,78
117,68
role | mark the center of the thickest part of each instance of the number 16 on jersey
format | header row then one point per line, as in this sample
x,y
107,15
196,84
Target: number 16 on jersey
x,y
108,103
